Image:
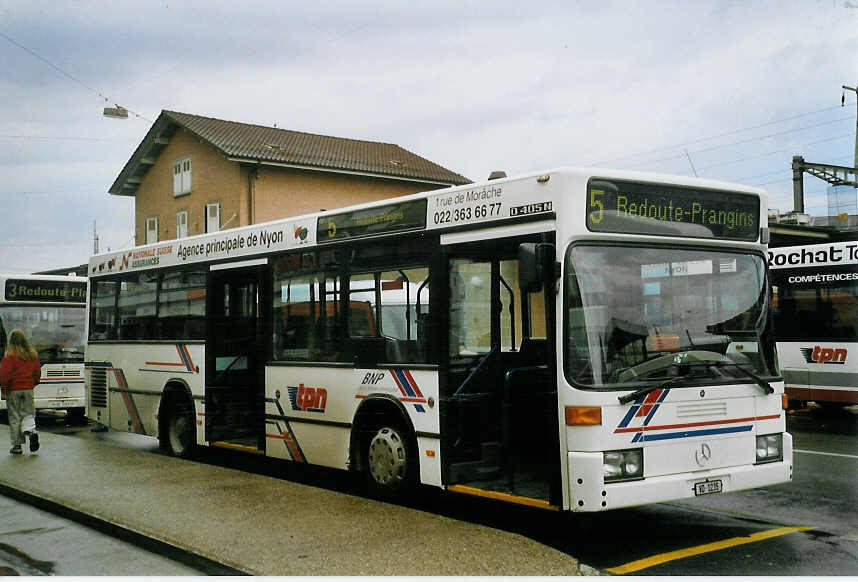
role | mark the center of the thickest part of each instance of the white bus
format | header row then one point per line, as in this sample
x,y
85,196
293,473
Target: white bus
x,y
572,340
51,311
816,321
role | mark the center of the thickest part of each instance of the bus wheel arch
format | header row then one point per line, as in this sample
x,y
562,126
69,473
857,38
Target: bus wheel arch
x,y
177,427
384,447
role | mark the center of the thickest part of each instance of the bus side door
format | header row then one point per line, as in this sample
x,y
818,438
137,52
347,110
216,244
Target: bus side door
x,y
236,345
499,389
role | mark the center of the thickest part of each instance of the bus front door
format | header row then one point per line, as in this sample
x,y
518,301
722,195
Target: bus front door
x,y
234,356
499,393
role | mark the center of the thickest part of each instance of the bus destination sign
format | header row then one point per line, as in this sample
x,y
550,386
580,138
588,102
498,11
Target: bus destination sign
x,y
45,291
396,217
662,209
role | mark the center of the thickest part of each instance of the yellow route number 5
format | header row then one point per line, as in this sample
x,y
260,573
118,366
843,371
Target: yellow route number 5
x,y
597,209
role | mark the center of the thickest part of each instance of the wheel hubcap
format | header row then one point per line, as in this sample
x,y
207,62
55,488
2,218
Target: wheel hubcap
x,y
387,457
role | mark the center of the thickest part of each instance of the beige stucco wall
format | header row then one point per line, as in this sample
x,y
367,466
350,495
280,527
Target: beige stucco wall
x,y
247,194
213,179
282,192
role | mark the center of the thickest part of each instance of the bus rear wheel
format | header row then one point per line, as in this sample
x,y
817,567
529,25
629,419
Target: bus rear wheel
x,y
179,435
389,462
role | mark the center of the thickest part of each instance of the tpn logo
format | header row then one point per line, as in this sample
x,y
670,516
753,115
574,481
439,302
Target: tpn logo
x,y
820,355
307,399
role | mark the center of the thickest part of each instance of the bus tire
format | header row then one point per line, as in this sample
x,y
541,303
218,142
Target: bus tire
x,y
177,428
389,461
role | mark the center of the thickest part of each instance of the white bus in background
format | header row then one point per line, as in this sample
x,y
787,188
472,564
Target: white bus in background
x,y
572,340
51,311
816,321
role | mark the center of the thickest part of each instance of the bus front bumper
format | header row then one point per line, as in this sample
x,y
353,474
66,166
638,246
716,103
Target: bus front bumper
x,y
589,492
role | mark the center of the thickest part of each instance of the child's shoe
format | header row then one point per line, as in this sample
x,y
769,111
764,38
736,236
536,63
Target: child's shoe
x,y
16,450
34,442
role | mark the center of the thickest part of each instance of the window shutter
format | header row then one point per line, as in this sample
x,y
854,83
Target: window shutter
x,y
152,230
182,177
213,217
182,224
177,178
186,176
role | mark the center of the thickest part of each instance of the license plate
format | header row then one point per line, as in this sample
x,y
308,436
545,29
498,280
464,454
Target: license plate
x,y
707,487
56,403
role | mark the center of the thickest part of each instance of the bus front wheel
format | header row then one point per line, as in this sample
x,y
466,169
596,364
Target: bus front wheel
x,y
388,461
179,435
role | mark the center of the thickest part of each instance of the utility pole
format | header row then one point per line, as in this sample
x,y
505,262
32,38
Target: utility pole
x,y
834,175
843,104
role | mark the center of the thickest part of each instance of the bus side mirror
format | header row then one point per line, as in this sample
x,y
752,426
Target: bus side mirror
x,y
531,261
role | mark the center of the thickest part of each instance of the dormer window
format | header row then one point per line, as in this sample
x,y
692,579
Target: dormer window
x,y
182,177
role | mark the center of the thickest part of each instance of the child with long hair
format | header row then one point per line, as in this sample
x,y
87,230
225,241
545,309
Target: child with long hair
x,y
20,371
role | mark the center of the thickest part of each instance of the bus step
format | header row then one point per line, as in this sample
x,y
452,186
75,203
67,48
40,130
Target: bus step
x,y
491,453
471,471
238,447
521,500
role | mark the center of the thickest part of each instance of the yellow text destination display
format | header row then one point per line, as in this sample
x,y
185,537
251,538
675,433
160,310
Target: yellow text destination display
x,y
372,221
643,208
45,291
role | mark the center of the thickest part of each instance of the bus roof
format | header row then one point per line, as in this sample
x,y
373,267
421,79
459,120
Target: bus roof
x,y
486,203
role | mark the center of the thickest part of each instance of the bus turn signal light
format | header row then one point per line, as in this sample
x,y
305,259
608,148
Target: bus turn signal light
x,y
583,415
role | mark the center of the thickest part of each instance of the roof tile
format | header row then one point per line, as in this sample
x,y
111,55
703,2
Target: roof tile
x,y
275,145
242,141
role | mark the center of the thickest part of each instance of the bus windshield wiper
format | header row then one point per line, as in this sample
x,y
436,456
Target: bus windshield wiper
x,y
767,388
644,391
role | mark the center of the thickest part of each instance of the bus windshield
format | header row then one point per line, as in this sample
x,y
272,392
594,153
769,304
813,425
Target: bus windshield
x,y
636,315
56,331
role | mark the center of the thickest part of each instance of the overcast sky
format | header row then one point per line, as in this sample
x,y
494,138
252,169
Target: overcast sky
x,y
474,86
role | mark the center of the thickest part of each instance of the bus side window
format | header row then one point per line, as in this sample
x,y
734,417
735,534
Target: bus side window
x,y
385,305
404,302
182,305
306,308
137,307
103,311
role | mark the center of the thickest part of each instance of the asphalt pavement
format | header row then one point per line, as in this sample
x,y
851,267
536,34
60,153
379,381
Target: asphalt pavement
x,y
34,542
262,525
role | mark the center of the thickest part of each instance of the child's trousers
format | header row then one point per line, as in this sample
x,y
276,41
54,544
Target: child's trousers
x,y
21,410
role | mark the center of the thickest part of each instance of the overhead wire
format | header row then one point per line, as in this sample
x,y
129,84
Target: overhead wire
x,y
781,151
789,178
716,136
68,75
742,142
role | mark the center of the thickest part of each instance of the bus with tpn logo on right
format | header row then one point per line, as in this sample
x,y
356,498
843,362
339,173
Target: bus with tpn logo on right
x,y
815,304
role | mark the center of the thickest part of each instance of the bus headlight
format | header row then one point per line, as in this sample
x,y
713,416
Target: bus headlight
x,y
622,465
770,448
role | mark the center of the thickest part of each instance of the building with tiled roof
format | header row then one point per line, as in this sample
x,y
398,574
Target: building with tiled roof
x,y
194,174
